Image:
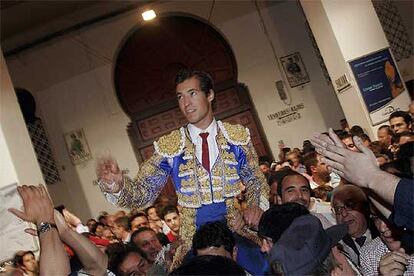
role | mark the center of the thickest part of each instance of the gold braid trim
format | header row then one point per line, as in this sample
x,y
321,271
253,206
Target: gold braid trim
x,y
187,231
231,221
264,187
259,190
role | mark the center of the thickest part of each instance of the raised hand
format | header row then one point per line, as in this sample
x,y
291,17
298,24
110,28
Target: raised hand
x,y
109,174
37,206
71,219
359,168
356,167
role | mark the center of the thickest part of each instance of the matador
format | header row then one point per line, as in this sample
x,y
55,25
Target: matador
x,y
207,160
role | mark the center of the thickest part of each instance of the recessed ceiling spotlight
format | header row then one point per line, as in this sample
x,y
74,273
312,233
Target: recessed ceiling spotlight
x,y
148,15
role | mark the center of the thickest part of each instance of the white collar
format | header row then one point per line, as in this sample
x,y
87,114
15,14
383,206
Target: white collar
x,y
195,131
367,234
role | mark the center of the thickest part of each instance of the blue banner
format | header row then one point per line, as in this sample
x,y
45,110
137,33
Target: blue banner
x,y
377,78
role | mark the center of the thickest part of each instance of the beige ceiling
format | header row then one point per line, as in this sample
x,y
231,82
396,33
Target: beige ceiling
x,y
20,17
37,20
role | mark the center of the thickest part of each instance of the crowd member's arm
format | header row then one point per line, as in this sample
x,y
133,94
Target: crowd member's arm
x,y
38,208
93,260
74,222
381,208
361,168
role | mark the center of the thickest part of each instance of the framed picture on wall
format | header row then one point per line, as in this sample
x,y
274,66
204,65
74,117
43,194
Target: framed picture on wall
x,y
294,69
77,146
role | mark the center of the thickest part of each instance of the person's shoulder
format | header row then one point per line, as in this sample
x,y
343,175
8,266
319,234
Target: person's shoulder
x,y
171,144
235,134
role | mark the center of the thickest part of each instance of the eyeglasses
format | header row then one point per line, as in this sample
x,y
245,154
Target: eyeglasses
x,y
339,210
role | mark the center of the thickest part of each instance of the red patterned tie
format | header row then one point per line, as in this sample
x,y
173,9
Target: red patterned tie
x,y
205,159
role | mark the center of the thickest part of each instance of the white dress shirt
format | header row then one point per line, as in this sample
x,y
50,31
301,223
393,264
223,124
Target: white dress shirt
x,y
211,140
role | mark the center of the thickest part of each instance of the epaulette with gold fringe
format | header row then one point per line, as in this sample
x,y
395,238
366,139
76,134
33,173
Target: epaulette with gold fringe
x,y
172,144
235,134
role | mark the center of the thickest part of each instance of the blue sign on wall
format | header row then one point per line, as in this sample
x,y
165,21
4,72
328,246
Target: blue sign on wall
x,y
378,79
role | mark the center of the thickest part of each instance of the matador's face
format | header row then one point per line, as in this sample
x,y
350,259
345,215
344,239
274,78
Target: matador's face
x,y
194,103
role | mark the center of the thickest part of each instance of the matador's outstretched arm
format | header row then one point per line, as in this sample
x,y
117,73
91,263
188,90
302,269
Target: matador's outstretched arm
x,y
141,192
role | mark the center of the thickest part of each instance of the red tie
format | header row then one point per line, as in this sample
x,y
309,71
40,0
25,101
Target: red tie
x,y
205,159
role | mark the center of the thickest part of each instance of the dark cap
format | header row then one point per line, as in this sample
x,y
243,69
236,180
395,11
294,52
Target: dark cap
x,y
305,245
277,219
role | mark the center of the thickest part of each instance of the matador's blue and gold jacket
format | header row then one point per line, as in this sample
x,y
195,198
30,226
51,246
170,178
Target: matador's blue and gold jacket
x,y
203,196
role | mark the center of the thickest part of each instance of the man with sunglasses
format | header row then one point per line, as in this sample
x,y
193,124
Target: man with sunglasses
x,y
351,207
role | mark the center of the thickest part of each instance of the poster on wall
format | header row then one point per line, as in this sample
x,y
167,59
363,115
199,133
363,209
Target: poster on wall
x,y
380,84
295,70
77,146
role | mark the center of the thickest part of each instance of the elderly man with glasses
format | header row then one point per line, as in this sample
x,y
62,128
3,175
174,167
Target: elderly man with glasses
x,y
351,207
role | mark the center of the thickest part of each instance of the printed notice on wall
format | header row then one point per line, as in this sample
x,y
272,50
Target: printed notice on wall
x,y
380,84
287,115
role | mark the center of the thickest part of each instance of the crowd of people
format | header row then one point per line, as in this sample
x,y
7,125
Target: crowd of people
x,y
341,205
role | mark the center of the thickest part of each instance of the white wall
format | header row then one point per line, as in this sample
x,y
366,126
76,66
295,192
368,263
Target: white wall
x,y
8,173
18,164
258,69
74,87
18,161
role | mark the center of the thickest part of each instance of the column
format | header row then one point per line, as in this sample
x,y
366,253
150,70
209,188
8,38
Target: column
x,y
18,164
348,31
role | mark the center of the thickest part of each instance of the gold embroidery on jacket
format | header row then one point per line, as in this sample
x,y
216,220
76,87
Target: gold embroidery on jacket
x,y
235,134
172,144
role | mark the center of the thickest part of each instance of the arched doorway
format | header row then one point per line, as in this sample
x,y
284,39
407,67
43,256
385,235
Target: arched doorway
x,y
144,79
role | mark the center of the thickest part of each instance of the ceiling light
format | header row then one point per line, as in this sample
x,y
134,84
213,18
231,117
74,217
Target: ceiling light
x,y
148,15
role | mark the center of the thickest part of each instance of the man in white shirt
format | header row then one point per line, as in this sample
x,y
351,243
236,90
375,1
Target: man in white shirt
x,y
318,171
294,187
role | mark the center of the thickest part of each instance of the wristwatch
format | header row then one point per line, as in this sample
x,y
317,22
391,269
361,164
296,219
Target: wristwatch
x,y
43,227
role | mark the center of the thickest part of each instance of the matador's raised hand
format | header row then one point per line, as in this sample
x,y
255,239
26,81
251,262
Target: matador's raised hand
x,y
109,174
